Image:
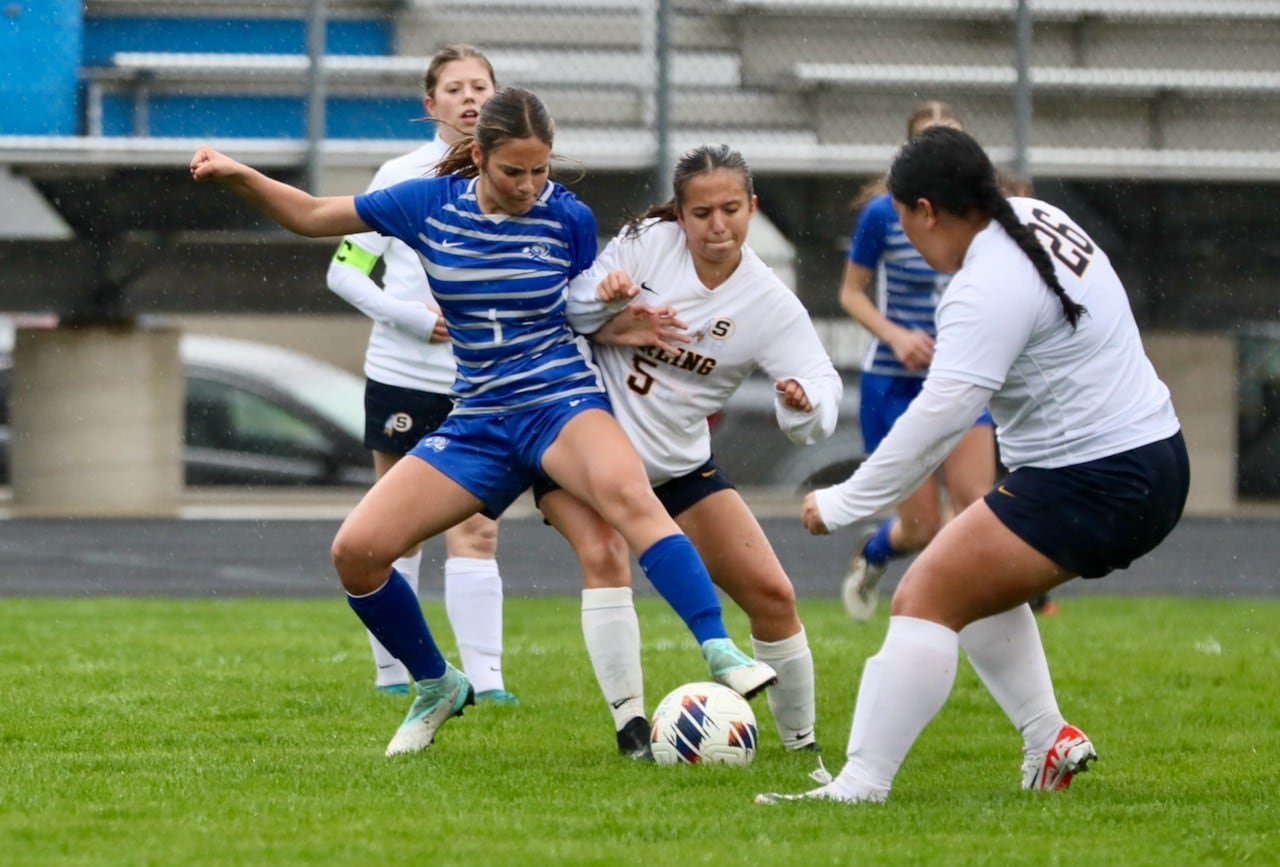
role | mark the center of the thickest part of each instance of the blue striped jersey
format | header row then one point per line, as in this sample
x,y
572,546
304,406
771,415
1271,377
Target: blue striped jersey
x,y
500,281
907,289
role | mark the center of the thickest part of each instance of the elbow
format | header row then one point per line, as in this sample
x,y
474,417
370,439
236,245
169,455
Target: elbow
x,y
333,277
308,229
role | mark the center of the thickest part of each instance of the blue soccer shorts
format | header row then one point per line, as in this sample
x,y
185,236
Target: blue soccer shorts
x,y
497,456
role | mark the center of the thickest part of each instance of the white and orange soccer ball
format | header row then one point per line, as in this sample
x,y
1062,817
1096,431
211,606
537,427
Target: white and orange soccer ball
x,y
703,723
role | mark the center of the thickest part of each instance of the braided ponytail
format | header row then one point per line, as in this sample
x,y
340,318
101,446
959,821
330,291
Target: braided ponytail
x,y
1003,214
949,168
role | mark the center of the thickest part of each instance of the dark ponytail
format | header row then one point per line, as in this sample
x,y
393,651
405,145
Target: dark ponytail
x,y
950,169
698,161
511,113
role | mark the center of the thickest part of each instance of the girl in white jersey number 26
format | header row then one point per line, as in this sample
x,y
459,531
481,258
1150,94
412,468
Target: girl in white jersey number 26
x,y
1036,326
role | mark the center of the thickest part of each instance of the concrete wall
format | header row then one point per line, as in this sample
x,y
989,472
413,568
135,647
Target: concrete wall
x,y
96,422
1200,370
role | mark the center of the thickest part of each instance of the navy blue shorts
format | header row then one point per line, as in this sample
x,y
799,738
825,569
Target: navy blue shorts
x,y
884,399
1095,517
396,418
676,495
496,457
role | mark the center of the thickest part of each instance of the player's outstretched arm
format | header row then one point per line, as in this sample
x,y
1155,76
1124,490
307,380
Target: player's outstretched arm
x,y
294,209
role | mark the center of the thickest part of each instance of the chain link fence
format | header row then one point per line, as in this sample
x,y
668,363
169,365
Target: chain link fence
x,y
1128,88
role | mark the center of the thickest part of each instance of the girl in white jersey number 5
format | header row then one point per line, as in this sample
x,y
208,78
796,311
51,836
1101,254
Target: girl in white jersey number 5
x,y
690,254
1036,326
499,241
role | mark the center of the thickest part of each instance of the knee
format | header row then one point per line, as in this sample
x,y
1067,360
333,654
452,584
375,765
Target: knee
x,y
770,604
964,496
605,559
475,537
356,561
633,499
918,532
778,597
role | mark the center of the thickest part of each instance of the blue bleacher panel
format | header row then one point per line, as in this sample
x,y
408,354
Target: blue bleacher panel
x,y
40,44
103,37
197,114
232,116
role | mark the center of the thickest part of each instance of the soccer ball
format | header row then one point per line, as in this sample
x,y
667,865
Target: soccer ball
x,y
703,723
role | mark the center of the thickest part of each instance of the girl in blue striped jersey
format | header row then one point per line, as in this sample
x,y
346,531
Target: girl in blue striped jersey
x,y
499,241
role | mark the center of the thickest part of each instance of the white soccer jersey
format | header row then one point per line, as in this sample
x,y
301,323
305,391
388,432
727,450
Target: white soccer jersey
x,y
397,356
750,321
1062,396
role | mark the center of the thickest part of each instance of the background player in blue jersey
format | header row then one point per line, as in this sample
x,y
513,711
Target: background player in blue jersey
x,y
883,263
499,241
1036,325
409,372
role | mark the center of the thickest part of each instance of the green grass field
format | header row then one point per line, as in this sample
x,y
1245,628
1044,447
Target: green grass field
x,y
247,732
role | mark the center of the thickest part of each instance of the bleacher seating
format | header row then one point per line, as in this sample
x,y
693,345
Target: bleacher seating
x,y
802,86
1106,76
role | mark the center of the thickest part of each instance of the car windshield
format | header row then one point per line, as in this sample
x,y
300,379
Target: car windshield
x,y
331,392
335,394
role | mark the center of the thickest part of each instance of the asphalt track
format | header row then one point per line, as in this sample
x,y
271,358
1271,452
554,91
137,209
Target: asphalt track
x,y
277,546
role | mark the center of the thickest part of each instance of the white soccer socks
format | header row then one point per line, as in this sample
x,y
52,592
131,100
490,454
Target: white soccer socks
x,y
791,699
473,602
611,631
903,687
1006,652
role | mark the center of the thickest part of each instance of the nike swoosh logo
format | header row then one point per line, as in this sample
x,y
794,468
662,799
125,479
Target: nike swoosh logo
x,y
382,667
1002,489
619,703
646,287
804,735
450,244
706,474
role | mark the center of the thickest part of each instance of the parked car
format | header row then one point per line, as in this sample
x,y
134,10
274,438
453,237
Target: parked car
x,y
1258,431
257,414
749,447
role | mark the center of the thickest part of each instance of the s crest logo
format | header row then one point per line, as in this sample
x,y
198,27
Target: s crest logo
x,y
537,251
398,422
435,443
716,329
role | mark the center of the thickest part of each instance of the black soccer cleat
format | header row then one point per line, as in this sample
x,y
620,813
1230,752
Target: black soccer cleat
x,y
633,740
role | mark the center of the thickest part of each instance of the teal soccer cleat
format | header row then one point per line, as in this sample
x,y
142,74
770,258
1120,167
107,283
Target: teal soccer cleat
x,y
437,699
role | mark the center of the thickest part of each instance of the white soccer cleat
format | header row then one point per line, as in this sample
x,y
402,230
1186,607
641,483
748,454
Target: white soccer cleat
x,y
860,590
1052,770
822,793
437,699
828,791
734,669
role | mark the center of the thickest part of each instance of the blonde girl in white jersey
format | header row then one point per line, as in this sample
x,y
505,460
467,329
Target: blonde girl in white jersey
x,y
409,369
1036,325
690,254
